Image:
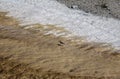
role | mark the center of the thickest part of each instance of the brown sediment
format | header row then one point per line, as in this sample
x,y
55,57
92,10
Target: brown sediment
x,y
9,69
8,21
30,54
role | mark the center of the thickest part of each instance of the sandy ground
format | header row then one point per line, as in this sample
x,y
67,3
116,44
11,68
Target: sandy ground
x,y
107,8
29,54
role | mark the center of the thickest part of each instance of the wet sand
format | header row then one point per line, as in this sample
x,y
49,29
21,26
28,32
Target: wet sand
x,y
30,54
106,8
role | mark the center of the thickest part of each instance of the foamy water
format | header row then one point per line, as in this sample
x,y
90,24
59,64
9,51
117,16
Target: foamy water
x,y
79,23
